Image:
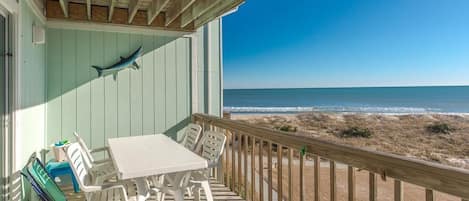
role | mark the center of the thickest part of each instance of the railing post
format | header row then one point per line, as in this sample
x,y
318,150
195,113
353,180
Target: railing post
x,y
302,179
317,171
351,183
245,157
429,195
261,170
398,190
333,180
253,168
373,187
240,180
269,163
290,179
279,172
233,163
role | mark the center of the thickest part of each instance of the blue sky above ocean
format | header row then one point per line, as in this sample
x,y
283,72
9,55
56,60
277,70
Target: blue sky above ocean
x,y
342,43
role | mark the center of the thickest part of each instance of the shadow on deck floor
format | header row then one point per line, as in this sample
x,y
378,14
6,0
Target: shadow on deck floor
x,y
219,191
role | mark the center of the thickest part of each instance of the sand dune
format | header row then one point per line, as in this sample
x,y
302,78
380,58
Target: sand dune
x,y
399,134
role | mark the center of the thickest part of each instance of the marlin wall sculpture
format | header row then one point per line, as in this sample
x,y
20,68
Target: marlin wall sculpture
x,y
122,64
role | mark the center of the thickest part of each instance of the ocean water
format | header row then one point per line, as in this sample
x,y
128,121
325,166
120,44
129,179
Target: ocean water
x,y
400,100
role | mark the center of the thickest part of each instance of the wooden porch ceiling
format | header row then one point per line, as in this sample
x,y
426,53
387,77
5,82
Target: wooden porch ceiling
x,y
175,15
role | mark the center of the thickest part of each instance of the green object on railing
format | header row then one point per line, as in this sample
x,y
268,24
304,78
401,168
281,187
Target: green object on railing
x,y
303,151
61,143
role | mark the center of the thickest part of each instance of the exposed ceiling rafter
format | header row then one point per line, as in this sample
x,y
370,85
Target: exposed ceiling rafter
x,y
155,9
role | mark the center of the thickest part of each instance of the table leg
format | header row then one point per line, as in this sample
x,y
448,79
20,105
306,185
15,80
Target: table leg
x,y
179,195
142,189
177,182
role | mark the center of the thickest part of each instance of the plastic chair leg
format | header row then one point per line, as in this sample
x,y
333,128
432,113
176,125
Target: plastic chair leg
x,y
208,191
76,187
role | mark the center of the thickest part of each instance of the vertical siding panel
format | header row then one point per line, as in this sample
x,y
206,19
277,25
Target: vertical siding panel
x,y
69,109
148,114
201,72
83,85
97,91
160,85
136,90
123,82
171,87
110,91
182,88
54,83
214,68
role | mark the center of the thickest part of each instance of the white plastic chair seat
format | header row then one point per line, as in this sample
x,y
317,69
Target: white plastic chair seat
x,y
94,191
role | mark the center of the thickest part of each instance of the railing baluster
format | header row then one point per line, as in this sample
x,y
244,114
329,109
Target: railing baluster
x,y
279,172
233,163
302,179
333,180
351,183
269,164
373,187
226,165
253,168
317,171
290,178
239,142
261,170
429,195
245,156
398,190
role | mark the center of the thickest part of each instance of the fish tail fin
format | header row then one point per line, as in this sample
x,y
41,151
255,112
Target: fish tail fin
x,y
135,64
99,69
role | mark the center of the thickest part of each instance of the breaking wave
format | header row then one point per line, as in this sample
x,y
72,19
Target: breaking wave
x,y
398,110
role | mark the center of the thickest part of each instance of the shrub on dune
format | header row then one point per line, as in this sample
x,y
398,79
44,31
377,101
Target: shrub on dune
x,y
440,128
356,131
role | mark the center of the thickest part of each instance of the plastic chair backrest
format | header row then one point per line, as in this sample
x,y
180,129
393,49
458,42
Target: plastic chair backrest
x,y
191,136
74,154
213,145
85,148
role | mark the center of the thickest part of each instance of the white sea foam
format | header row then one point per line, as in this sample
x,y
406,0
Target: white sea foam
x,y
394,110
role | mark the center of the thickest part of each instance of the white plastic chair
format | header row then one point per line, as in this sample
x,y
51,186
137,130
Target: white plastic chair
x,y
213,144
97,168
191,136
89,152
111,191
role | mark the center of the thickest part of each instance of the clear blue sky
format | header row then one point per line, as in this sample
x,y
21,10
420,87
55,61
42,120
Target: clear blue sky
x,y
346,43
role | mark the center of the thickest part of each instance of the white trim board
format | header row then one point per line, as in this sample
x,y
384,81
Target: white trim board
x,y
10,5
37,11
93,26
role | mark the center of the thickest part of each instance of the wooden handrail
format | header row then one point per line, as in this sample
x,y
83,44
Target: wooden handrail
x,y
451,180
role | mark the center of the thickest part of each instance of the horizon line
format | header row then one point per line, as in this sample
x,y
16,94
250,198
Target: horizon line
x,y
339,87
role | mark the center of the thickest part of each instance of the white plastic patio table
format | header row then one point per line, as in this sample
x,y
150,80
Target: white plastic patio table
x,y
142,156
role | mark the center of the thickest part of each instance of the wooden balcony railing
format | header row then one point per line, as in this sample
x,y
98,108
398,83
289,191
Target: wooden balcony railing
x,y
249,146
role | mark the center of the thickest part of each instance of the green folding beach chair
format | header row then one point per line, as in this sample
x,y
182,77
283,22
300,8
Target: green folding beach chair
x,y
39,177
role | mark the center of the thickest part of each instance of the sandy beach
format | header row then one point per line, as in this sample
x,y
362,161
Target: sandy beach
x,y
402,134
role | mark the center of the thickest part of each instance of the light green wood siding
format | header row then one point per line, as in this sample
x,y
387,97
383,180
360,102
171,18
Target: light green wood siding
x,y
30,122
154,99
2,100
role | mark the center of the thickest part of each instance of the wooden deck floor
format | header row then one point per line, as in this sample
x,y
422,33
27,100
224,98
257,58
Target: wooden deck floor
x,y
220,192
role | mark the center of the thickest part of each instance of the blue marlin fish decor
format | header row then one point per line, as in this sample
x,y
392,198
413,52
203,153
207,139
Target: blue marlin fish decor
x,y
122,64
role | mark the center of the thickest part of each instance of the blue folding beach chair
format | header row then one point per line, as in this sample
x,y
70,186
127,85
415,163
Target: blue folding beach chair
x,y
41,181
